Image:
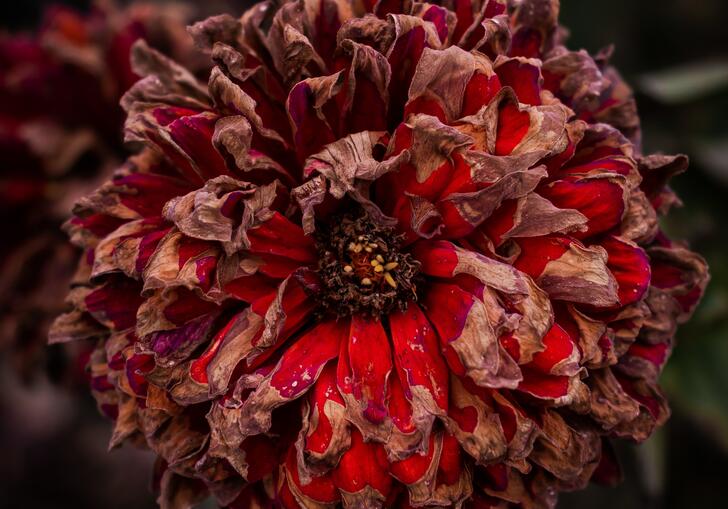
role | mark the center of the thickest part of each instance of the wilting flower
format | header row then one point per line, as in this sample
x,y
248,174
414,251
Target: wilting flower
x,y
60,125
393,254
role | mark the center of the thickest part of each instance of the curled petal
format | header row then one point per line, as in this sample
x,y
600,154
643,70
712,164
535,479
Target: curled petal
x,y
569,271
570,454
681,274
223,210
468,336
444,260
293,376
602,200
475,424
442,83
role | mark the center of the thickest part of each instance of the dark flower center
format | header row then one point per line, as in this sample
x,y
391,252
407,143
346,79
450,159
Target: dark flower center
x,y
362,269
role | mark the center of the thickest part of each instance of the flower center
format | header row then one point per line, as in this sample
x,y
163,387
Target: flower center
x,y
362,269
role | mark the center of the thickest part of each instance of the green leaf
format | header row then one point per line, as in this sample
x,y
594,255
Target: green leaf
x,y
712,155
696,378
686,83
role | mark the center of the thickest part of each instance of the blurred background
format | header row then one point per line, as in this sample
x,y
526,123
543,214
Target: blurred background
x,y
675,54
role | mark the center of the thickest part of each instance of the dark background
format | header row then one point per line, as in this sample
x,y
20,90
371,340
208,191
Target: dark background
x,y
675,54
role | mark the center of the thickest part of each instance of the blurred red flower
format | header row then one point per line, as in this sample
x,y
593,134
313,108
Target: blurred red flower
x,y
60,125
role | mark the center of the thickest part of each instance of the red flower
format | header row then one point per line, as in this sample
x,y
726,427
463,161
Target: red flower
x,y
387,260
59,132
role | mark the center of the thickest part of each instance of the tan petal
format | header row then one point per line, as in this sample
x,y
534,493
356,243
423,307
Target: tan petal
x,y
547,133
432,144
580,275
569,454
478,206
536,216
199,214
610,405
443,75
178,492
486,442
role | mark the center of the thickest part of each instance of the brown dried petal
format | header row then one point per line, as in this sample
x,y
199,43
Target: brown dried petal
x,y
569,454
444,74
536,216
348,166
222,28
693,279
163,81
547,132
610,405
581,81
199,214
177,492
532,302
486,443
229,98
478,206
580,275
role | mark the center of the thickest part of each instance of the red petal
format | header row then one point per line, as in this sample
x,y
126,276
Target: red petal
x,y
311,132
281,237
630,266
252,288
537,252
370,359
303,361
193,134
601,200
448,307
363,465
403,59
559,347
478,92
544,386
414,468
146,193
524,77
187,306
116,304
655,354
513,125
327,404
417,356
318,488
399,407
450,467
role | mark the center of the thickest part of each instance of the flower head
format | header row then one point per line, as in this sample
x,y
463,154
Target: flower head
x,y
393,254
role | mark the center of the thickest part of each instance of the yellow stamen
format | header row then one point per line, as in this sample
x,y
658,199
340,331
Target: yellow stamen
x,y
380,258
390,280
366,281
378,269
348,269
391,265
374,263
